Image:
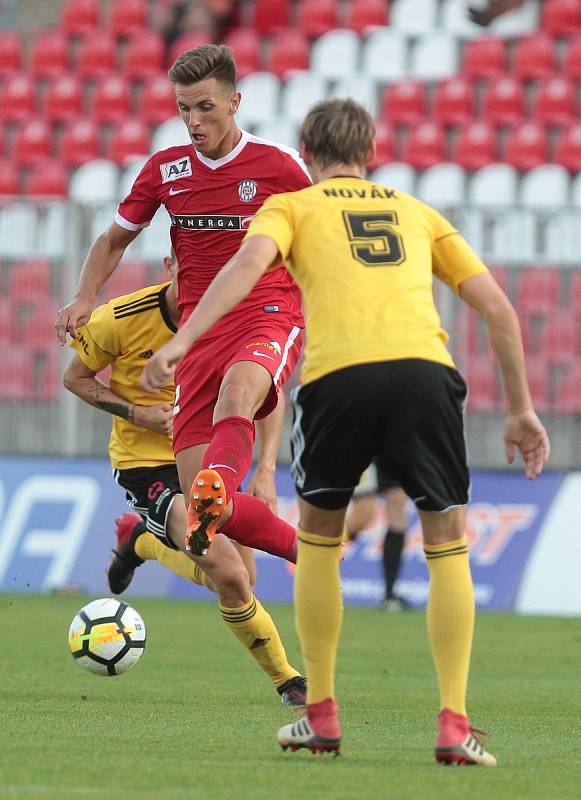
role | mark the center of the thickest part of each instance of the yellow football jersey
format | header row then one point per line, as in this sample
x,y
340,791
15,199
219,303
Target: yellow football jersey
x,y
125,332
364,256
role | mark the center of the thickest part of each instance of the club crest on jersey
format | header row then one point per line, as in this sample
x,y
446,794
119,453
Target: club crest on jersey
x,y
247,190
172,170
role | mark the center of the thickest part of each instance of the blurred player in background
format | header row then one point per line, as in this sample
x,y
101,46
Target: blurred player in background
x,y
361,515
484,15
124,333
377,381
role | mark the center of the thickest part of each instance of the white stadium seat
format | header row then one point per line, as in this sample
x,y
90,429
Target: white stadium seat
x,y
512,236
413,17
303,89
563,237
336,54
576,191
259,98
396,175
154,241
101,218
546,186
434,56
128,177
454,18
518,22
374,59
52,230
170,133
442,186
279,130
18,230
361,88
94,183
493,186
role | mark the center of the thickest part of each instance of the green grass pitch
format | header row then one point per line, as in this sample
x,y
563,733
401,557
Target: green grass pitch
x,y
196,718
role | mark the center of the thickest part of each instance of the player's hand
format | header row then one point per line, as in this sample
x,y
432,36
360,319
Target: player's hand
x,y
161,367
526,432
72,317
262,485
158,418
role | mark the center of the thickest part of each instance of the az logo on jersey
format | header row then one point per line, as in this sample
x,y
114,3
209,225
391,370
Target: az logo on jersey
x,y
247,190
172,170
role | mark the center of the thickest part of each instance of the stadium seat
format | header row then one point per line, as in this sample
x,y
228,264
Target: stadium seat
x,y
555,102
316,17
157,101
17,97
32,325
245,45
129,139
413,17
384,145
335,54
128,18
538,290
97,55
63,98
170,133
482,379
288,51
568,149
127,178
404,102
539,380
475,145
9,177
511,234
453,101
503,102
517,22
129,276
558,337
434,56
49,53
484,58
574,293
546,186
576,191
396,175
78,17
364,14
569,392
259,97
561,17
493,185
186,41
572,60
111,98
561,242
442,186
94,183
80,142
534,57
30,281
424,145
360,87
33,142
53,230
144,55
16,373
10,52
270,16
302,90
6,322
47,179
373,60
279,130
453,18
527,146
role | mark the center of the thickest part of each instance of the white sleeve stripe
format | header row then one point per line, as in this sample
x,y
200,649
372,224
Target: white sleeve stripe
x,y
291,151
130,226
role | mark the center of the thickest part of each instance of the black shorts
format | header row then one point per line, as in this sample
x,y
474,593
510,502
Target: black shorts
x,y
408,415
150,491
375,481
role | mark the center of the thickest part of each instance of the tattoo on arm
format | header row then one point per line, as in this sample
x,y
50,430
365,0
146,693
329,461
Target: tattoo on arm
x,y
120,410
102,397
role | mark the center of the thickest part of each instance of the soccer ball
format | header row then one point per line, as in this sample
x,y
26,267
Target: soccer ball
x,y
107,637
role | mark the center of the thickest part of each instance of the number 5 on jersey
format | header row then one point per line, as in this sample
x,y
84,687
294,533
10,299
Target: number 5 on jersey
x,y
374,243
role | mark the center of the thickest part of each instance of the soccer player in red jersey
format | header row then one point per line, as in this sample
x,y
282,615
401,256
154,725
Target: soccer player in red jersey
x,y
211,191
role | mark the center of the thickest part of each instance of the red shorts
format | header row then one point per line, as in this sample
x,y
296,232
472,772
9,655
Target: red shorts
x,y
275,344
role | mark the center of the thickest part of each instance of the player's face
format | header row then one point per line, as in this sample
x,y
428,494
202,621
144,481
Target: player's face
x,y
207,108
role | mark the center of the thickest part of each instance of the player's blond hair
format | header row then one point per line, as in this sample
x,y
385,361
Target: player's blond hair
x,y
338,132
205,61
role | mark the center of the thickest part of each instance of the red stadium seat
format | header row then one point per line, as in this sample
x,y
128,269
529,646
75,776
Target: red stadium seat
x,y
527,146
453,101
78,17
484,58
63,98
504,101
16,373
569,392
270,16
49,53
30,282
128,17
404,102
384,143
6,321
555,102
364,14
110,101
245,46
289,50
128,277
424,146
500,275
482,379
568,149
534,57
97,55
475,146
47,179
80,142
558,339
32,143
144,55
10,52
9,177
316,17
47,384
157,101
32,327
187,41
539,379
575,292
538,290
17,97
572,60
129,140
561,17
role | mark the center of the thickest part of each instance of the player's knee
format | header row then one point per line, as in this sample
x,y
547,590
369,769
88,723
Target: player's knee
x,y
231,582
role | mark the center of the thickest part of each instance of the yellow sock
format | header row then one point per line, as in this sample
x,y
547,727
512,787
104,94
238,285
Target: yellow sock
x,y
318,610
150,548
254,627
451,619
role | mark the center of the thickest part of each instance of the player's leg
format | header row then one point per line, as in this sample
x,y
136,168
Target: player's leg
x,y
396,509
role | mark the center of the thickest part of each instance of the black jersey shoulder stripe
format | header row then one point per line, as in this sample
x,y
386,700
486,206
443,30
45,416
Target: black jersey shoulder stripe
x,y
132,311
124,306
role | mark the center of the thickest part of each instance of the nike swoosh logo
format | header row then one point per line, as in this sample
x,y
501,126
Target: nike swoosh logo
x,y
263,355
173,191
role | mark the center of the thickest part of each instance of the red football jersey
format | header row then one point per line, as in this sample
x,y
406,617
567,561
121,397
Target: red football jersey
x,y
210,204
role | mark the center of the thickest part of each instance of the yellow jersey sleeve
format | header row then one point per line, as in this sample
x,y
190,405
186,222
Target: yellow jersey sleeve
x,y
97,343
275,219
453,260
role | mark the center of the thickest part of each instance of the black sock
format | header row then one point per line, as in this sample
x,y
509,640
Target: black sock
x,y
392,550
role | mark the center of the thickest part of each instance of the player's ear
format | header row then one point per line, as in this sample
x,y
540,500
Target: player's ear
x,y
168,264
305,154
234,102
371,153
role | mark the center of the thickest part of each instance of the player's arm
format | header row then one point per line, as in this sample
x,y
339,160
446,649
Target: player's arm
x,y
262,483
82,381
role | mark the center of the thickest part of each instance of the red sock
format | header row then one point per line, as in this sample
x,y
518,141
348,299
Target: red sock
x,y
253,524
323,720
230,451
452,728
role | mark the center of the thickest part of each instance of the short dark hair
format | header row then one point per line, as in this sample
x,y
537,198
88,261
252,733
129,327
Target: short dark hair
x,y
205,61
338,131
